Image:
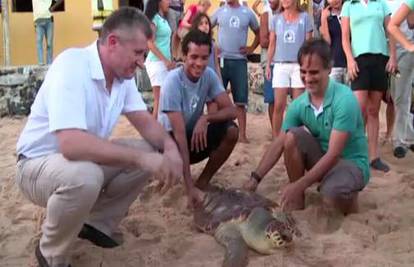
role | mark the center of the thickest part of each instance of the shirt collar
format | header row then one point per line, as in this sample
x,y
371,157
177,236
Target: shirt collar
x,y
328,97
95,64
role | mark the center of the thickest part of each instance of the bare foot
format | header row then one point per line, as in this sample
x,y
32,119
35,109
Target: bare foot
x,y
244,140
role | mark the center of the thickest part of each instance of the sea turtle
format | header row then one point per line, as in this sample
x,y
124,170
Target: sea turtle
x,y
239,219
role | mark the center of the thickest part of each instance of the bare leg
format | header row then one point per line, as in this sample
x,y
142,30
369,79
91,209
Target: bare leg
x,y
362,97
242,118
297,92
270,109
390,114
279,109
374,103
156,92
218,157
295,166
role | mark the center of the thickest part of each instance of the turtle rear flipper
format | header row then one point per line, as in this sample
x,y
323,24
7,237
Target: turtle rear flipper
x,y
230,237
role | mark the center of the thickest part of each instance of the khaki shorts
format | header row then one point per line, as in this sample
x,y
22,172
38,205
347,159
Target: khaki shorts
x,y
342,181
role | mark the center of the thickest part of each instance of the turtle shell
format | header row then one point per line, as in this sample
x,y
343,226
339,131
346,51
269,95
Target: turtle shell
x,y
224,205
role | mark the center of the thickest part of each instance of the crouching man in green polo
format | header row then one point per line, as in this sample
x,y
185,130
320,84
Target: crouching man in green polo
x,y
323,134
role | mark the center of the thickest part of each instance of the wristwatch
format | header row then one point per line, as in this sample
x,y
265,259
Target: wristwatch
x,y
255,176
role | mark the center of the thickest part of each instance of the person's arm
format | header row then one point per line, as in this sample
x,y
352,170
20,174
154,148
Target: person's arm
x,y
185,21
264,30
151,130
55,6
180,136
346,45
324,29
216,62
275,149
255,27
79,145
226,112
268,160
392,65
394,26
270,53
250,49
255,7
154,49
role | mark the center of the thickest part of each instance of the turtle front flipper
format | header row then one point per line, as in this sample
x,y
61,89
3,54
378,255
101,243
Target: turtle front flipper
x,y
230,237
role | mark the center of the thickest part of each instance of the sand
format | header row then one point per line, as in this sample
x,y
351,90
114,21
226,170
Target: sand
x,y
158,230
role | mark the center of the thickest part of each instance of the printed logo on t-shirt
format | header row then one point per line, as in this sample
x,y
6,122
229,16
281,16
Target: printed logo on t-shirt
x,y
234,22
289,36
194,103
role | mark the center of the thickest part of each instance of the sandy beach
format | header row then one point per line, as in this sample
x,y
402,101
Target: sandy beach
x,y
158,230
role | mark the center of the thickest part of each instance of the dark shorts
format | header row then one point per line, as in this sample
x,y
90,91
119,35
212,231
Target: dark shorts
x,y
342,181
235,72
372,75
215,135
268,92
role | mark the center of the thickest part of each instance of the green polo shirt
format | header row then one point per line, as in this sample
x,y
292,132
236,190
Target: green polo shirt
x,y
367,26
162,38
409,3
341,112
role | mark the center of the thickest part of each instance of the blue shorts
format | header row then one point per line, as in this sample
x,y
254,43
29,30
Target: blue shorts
x,y
268,92
235,72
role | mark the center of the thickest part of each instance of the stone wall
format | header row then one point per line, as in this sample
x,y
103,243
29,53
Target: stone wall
x,y
19,86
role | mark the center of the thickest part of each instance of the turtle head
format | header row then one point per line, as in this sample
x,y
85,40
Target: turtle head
x,y
281,230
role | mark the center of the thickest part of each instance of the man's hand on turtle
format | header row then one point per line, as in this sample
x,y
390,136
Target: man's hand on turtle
x,y
250,185
292,194
195,197
163,169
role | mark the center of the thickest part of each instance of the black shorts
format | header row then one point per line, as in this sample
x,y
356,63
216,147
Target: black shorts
x,y
372,75
215,134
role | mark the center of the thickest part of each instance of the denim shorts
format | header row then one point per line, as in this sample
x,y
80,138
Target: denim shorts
x,y
268,93
235,72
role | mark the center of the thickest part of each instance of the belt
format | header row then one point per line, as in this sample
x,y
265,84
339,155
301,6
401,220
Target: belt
x,y
21,157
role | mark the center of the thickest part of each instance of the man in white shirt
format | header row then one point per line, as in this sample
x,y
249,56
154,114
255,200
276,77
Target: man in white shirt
x,y
66,162
43,21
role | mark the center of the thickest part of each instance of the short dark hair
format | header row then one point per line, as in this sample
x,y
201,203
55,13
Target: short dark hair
x,y
197,20
152,8
197,37
126,18
316,46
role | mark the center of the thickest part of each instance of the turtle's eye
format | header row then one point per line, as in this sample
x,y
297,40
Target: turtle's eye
x,y
268,236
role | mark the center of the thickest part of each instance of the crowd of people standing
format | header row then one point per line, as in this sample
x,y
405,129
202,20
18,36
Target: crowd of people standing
x,y
329,135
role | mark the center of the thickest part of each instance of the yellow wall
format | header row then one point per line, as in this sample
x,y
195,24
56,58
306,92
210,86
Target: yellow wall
x,y
72,28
